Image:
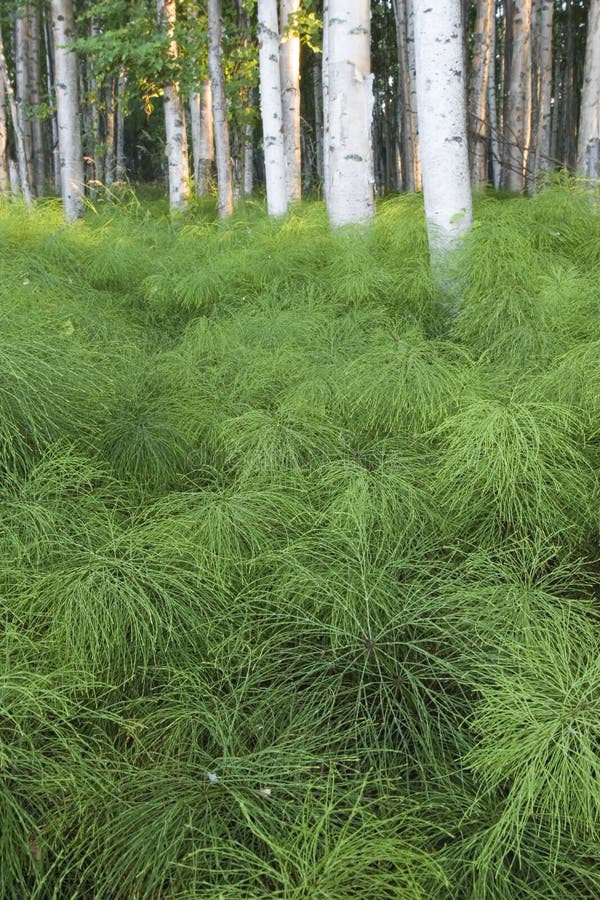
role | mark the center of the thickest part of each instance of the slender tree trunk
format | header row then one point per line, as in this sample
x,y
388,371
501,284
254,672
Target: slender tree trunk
x,y
588,146
35,79
120,168
176,135
67,109
271,107
23,83
443,131
495,129
109,132
350,194
221,127
249,152
518,109
49,50
412,76
409,150
325,86
23,173
541,131
289,63
318,105
4,173
203,141
479,124
569,92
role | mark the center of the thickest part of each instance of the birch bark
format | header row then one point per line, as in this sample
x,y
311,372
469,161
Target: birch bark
x,y
442,128
479,124
543,116
4,173
67,109
21,168
350,194
289,65
518,106
176,136
271,107
588,145
221,127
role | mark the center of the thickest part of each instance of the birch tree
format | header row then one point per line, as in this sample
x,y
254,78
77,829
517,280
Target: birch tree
x,y
271,107
588,145
541,132
176,136
442,129
350,192
4,174
35,94
221,127
409,136
203,142
289,64
479,124
22,83
20,170
518,97
67,109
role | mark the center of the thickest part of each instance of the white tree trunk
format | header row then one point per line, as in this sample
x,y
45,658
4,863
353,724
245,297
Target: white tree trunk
x,y
35,79
23,173
4,174
518,106
271,107
588,145
325,88
350,193
289,62
67,109
176,149
442,126
203,141
248,159
22,83
221,127
542,161
478,93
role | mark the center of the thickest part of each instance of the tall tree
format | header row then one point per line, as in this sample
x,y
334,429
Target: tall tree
x,y
176,135
479,123
4,176
350,193
66,72
588,145
289,63
542,68
35,95
409,133
443,130
22,54
221,126
517,119
271,107
22,172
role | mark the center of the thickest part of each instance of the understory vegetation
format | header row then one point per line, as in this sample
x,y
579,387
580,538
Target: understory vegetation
x,y
299,582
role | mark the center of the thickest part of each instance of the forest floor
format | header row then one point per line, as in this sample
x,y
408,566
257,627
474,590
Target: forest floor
x,y
299,584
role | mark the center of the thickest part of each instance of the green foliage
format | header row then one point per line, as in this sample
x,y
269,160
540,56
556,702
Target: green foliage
x,y
297,600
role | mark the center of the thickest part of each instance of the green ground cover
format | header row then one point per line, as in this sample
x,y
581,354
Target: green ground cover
x,y
299,584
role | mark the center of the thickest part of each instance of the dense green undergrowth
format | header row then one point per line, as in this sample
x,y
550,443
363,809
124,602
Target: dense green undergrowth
x,y
299,585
